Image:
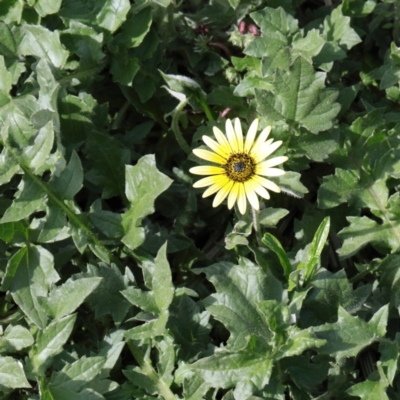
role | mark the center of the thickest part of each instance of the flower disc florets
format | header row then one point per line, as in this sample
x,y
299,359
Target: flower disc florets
x,y
239,165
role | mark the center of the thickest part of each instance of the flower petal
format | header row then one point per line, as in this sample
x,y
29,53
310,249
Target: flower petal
x,y
210,180
262,137
262,192
233,195
222,140
267,184
230,133
206,170
275,161
241,200
271,172
221,195
216,147
257,182
209,156
249,188
219,184
264,151
239,134
251,134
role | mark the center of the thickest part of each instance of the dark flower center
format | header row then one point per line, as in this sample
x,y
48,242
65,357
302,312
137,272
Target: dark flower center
x,y
240,167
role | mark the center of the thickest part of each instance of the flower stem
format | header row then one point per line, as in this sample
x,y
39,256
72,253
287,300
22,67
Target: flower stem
x,y
207,110
256,225
177,131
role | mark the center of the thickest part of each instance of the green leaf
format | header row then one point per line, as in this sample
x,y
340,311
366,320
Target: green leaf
x,y
7,47
69,181
12,374
369,390
194,387
190,328
142,299
75,376
346,186
144,183
287,340
269,217
331,291
249,83
363,230
149,330
65,299
15,338
184,88
47,7
309,46
29,274
5,83
349,335
11,11
36,40
239,289
337,28
166,363
50,341
79,116
84,41
134,29
305,374
317,245
246,63
234,3
53,227
240,232
276,27
108,159
273,243
389,352
29,147
316,109
8,166
316,147
113,14
124,68
29,199
106,298
330,52
290,184
253,365
358,8
372,389
162,280
390,280
108,223
48,93
111,348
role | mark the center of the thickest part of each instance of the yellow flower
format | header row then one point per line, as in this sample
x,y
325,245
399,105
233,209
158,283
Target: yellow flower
x,y
241,165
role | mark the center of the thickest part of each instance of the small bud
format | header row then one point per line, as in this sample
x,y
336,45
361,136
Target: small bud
x,y
225,112
242,27
253,29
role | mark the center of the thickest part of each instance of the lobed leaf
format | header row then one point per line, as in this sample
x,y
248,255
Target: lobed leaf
x,y
299,96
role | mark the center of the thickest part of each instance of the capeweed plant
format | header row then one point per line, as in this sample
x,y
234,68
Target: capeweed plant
x,y
119,280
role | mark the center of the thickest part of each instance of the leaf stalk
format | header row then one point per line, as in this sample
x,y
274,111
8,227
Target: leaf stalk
x,y
148,370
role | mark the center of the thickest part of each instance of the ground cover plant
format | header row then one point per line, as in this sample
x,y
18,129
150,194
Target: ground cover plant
x,y
120,279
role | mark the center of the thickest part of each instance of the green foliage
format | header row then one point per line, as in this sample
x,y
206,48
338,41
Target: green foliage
x,y
118,281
